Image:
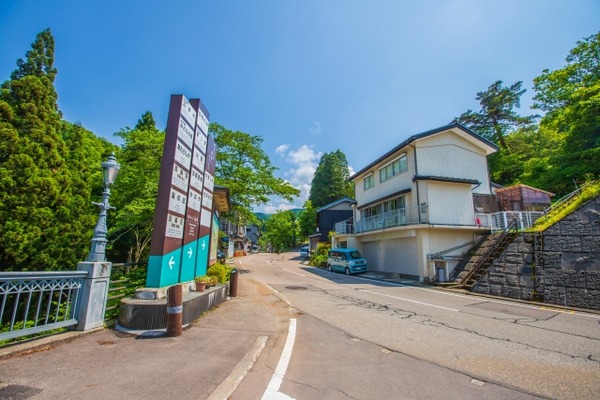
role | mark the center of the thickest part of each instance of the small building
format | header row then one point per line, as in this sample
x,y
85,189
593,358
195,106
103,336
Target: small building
x,y
416,205
331,214
523,198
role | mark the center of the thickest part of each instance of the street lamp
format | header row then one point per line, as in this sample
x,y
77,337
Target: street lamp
x,y
110,169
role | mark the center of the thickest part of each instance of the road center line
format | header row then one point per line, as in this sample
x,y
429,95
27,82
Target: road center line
x,y
272,391
409,300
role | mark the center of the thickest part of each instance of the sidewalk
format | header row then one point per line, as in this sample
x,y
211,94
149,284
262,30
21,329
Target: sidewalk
x,y
207,361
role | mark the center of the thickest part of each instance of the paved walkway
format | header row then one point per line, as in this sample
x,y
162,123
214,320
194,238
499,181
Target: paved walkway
x,y
207,361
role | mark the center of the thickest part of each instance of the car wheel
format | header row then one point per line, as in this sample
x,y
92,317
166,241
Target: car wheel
x,y
347,271
329,268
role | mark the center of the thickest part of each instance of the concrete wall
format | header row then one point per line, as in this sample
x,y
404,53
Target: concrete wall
x,y
560,266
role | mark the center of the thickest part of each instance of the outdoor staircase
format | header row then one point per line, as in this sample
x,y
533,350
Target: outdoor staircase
x,y
487,250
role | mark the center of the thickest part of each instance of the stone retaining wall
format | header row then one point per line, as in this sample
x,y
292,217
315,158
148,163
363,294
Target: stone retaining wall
x,y
559,266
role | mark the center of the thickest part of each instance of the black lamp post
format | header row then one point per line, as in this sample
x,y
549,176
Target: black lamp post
x,y
110,169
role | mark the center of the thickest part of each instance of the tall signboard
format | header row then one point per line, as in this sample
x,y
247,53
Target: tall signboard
x,y
206,212
177,218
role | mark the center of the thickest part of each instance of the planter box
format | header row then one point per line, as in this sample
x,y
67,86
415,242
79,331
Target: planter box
x,y
140,315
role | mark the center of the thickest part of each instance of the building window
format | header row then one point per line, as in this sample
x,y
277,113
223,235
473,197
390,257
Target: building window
x,y
394,168
394,204
399,203
369,182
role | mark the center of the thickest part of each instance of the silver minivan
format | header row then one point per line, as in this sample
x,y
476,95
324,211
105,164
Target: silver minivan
x,y
349,261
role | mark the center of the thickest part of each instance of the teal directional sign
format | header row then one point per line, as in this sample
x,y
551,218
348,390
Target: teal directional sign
x,y
177,247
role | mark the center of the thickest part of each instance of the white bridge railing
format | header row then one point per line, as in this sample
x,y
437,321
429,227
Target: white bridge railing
x,y
35,302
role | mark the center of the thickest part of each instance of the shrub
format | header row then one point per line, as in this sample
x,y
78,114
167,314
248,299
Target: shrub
x,y
220,271
319,257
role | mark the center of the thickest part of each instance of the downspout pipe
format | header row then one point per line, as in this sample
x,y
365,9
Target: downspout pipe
x,y
416,181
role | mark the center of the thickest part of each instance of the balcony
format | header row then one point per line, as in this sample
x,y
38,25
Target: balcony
x,y
400,217
410,216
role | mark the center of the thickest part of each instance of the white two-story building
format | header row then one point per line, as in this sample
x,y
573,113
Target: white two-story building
x,y
415,212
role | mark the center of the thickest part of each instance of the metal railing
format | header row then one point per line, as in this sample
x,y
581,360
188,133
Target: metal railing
x,y
486,259
125,279
399,217
498,221
36,302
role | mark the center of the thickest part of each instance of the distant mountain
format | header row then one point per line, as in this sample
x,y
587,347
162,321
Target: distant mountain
x,y
263,216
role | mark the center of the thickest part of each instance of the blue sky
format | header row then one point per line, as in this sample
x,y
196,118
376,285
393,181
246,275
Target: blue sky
x,y
309,77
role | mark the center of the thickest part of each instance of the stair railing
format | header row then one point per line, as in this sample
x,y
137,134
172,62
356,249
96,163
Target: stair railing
x,y
511,228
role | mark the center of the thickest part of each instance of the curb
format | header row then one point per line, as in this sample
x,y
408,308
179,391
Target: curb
x,y
229,384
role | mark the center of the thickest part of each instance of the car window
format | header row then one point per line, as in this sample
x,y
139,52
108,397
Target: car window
x,y
355,254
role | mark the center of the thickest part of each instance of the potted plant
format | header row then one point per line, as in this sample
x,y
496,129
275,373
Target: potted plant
x,y
201,282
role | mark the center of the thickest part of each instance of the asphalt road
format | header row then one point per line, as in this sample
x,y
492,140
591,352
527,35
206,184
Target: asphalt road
x,y
360,339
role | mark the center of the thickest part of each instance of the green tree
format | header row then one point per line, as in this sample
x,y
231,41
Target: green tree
x,y
243,167
497,117
136,189
44,190
307,220
571,98
557,89
330,182
280,230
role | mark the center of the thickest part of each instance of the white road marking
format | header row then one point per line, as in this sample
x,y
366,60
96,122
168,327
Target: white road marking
x,y
409,300
272,392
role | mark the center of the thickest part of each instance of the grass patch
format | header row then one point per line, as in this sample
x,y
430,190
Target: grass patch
x,y
587,193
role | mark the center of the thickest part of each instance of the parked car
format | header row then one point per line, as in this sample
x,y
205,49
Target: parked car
x,y
304,252
349,261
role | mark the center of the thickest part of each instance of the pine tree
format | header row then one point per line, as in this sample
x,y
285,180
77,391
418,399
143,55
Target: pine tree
x,y
330,182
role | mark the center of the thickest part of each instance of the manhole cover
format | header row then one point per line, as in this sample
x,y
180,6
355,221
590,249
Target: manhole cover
x,y
296,287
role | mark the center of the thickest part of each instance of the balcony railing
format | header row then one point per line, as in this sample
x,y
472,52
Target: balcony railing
x,y
410,216
400,217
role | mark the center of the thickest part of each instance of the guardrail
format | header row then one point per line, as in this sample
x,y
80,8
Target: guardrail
x,y
36,302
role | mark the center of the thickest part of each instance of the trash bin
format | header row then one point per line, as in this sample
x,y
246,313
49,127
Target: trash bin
x,y
233,283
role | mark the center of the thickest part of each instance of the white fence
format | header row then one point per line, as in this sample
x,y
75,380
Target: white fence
x,y
500,220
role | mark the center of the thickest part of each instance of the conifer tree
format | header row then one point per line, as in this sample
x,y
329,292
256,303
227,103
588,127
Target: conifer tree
x,y
330,182
44,214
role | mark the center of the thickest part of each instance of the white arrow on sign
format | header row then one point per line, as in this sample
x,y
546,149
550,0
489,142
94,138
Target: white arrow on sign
x,y
190,252
171,262
203,245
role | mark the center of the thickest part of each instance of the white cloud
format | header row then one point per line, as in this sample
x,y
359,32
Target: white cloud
x,y
282,149
303,162
316,128
272,208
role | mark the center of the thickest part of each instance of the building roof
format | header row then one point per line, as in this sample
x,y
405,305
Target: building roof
x,y
445,179
522,186
468,134
335,203
222,199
